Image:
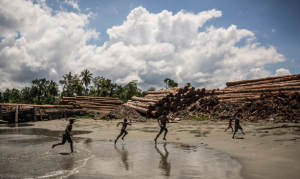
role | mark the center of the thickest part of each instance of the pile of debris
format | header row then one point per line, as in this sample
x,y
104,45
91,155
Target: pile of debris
x,y
122,112
92,103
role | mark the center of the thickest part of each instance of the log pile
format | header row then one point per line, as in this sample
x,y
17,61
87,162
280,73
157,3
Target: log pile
x,y
92,103
170,100
255,99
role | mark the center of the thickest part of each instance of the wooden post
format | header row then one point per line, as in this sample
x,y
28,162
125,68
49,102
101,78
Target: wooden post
x,y
50,116
34,115
16,114
62,112
65,113
41,117
1,115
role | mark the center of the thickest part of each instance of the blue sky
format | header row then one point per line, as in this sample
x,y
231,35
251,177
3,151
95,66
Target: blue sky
x,y
274,22
205,42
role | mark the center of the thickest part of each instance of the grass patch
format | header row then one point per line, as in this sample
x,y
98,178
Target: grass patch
x,y
86,116
202,119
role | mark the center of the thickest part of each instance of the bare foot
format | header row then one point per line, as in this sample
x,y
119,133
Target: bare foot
x,y
233,137
53,146
155,140
122,138
164,139
244,133
115,142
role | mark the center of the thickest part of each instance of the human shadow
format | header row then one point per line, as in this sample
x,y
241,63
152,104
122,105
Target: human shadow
x,y
164,164
124,157
64,153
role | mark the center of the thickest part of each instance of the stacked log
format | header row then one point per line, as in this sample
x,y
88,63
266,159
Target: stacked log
x,y
92,103
254,99
155,102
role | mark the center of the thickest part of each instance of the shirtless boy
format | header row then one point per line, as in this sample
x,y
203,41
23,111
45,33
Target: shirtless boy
x,y
123,130
237,125
230,125
162,123
67,136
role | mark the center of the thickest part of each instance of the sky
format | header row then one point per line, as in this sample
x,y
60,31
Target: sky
x,y
204,42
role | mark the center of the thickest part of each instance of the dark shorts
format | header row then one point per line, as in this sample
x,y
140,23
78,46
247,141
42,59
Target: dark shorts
x,y
162,128
123,131
66,138
237,127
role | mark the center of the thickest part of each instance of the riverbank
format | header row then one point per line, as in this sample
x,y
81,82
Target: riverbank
x,y
266,151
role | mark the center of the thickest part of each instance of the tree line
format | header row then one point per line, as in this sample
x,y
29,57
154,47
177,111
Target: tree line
x,y
44,91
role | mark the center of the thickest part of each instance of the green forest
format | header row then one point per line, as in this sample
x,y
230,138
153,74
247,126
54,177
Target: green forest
x,y
43,91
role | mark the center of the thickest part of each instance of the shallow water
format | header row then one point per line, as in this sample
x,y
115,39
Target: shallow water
x,y
26,153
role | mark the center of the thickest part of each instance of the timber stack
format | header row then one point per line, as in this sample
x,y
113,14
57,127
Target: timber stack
x,y
257,98
170,100
92,103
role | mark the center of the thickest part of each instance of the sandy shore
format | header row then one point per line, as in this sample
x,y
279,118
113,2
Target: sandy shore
x,y
266,151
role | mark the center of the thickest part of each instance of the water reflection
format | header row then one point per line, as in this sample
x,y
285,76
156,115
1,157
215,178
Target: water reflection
x,y
124,156
37,131
164,164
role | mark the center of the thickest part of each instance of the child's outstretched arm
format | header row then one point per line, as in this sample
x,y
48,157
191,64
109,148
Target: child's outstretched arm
x,y
119,123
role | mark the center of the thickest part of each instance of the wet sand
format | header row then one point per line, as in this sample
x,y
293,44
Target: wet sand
x,y
266,151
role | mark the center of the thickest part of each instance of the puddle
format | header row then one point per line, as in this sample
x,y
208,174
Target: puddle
x,y
27,153
16,125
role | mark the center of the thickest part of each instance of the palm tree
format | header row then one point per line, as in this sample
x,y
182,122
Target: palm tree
x,y
52,91
67,86
40,88
86,79
27,96
77,87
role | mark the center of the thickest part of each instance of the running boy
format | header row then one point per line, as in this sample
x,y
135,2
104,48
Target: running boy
x,y
237,125
67,136
162,123
230,125
123,131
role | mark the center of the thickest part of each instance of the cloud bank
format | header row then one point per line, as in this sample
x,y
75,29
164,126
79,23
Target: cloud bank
x,y
39,42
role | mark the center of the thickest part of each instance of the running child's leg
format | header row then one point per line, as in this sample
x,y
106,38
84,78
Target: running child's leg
x,y
166,131
124,135
242,131
62,143
231,128
157,136
119,136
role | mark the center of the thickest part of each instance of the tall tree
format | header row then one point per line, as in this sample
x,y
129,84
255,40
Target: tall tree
x,y
86,79
1,98
6,95
67,85
152,89
40,87
170,83
15,95
52,92
98,84
26,94
132,89
188,85
77,85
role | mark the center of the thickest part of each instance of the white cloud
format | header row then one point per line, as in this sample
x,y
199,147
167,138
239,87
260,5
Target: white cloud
x,y
73,3
147,47
87,9
273,30
293,61
129,78
282,71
